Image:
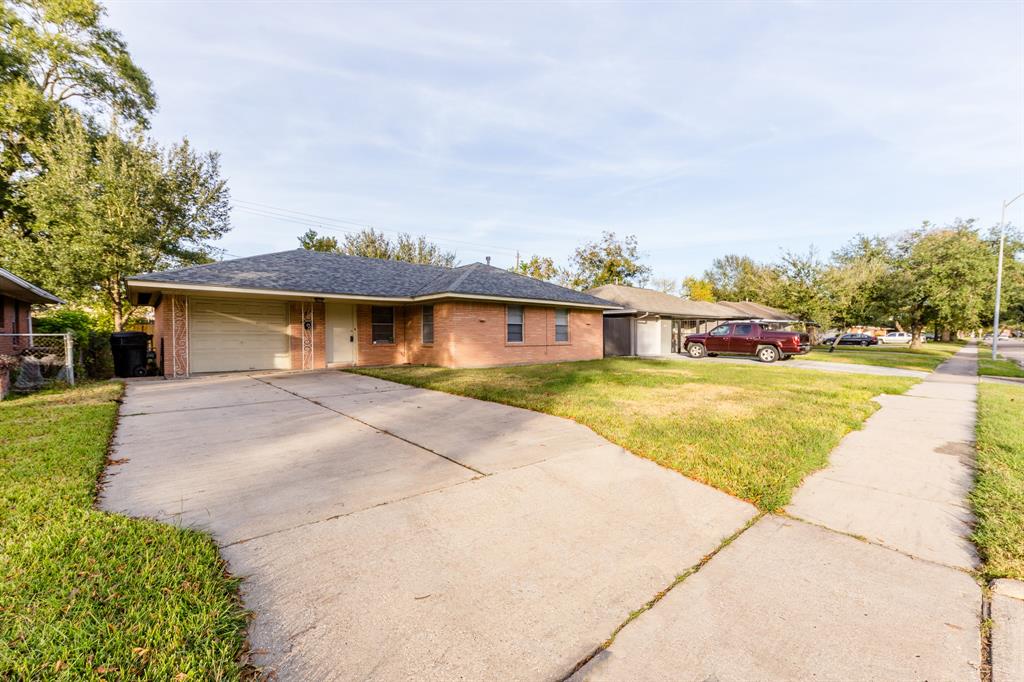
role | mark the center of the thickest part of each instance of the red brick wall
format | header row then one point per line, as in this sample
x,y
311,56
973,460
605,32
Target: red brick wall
x,y
473,335
371,354
478,336
13,309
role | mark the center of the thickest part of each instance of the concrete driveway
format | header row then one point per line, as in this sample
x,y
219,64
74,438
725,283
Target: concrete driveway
x,y
389,532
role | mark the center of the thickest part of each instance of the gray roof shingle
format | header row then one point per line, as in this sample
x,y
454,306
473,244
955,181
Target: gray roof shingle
x,y
315,272
651,301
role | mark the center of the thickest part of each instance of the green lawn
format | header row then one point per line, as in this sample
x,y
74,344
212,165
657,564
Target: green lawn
x,y
752,431
998,495
999,368
86,595
927,358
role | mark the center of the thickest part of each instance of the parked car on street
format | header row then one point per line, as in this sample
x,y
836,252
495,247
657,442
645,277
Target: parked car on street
x,y
748,338
896,337
852,340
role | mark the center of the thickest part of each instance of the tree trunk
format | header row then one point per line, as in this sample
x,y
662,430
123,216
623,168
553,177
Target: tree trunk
x,y
947,334
915,337
117,307
835,341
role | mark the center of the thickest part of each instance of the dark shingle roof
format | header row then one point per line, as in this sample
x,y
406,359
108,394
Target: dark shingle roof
x,y
651,301
17,288
315,272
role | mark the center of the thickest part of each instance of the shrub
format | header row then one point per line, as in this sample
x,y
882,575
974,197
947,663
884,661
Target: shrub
x,y
92,340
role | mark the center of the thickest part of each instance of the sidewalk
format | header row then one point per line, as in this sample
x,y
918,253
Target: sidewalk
x,y
865,578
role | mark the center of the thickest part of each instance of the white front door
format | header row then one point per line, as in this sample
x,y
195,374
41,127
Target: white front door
x,y
341,333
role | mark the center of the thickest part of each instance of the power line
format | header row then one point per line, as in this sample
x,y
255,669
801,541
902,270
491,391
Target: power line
x,y
301,218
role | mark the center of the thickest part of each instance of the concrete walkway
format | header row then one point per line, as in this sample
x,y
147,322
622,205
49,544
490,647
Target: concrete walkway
x,y
865,579
386,532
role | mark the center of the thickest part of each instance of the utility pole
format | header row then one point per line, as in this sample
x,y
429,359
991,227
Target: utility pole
x,y
999,273
517,260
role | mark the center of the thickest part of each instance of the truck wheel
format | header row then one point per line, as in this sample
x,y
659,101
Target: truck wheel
x,y
696,350
767,354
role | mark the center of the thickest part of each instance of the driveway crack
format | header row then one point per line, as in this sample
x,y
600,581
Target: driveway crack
x,y
375,428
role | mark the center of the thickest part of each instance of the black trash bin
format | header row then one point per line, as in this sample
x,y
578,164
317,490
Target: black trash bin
x,y
130,350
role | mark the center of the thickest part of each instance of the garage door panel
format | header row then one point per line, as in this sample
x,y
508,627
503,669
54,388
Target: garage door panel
x,y
231,335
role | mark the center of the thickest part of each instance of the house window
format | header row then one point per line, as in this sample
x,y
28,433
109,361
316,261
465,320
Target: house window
x,y
562,325
383,324
16,326
428,324
514,323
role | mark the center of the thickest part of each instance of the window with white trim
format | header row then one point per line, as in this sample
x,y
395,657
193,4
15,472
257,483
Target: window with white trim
x,y
382,320
561,325
514,323
428,324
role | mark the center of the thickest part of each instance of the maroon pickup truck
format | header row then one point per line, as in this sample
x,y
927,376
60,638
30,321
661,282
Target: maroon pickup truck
x,y
748,338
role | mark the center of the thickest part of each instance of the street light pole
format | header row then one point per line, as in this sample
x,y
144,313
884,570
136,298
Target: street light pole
x,y
999,273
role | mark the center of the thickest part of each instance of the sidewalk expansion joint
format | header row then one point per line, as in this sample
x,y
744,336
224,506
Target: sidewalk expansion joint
x,y
376,428
661,595
985,630
973,572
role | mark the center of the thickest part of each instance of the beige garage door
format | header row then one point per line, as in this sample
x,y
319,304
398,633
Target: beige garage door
x,y
228,335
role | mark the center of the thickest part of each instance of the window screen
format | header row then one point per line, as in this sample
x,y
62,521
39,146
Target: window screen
x,y
562,325
514,322
428,324
383,319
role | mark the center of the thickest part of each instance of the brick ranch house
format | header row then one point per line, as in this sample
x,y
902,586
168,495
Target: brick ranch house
x,y
16,300
309,310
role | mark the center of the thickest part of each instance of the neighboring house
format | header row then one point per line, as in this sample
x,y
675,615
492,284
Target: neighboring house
x,y
16,299
653,323
760,311
306,310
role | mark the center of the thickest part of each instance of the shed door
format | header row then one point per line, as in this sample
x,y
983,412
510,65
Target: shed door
x,y
227,334
618,336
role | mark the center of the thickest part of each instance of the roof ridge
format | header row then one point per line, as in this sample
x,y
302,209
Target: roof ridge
x,y
429,287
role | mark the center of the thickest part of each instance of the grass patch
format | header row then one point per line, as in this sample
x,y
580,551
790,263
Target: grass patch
x,y
89,595
998,495
751,431
999,368
926,358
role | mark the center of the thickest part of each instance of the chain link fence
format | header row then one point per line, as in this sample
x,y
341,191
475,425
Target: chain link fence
x,y
33,361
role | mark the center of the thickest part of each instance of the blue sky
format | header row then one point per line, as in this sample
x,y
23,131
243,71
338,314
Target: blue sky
x,y
703,128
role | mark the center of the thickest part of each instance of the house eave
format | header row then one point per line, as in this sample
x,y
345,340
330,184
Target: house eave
x,y
137,286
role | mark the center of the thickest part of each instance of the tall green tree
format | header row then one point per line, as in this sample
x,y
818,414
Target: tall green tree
x,y
57,55
798,287
665,285
740,278
854,280
607,261
369,243
109,208
538,267
313,241
697,289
